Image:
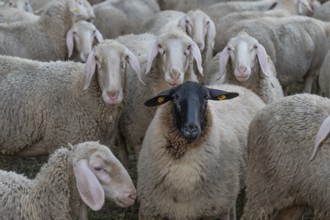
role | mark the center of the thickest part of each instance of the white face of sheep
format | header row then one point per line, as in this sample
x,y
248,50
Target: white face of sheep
x,y
110,60
245,52
101,176
82,10
175,55
82,35
23,5
199,27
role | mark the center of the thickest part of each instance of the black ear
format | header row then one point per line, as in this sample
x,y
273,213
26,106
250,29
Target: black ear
x,y
160,99
216,94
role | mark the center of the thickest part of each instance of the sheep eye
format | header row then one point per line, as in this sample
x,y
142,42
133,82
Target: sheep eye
x,y
10,4
94,32
255,46
75,32
159,46
208,22
187,22
229,48
189,47
127,58
96,58
98,168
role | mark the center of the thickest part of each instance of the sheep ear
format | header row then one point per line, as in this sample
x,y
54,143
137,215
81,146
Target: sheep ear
x,y
321,136
306,4
182,23
223,60
196,53
160,99
216,94
89,188
152,55
99,36
69,42
211,33
135,64
263,59
90,69
74,7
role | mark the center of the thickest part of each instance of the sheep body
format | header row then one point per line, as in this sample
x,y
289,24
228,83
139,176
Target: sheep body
x,y
324,77
204,180
44,38
9,15
280,144
54,191
49,105
279,36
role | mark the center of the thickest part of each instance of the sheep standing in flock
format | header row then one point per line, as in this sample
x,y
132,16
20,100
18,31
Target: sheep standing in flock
x,y
44,38
244,61
45,105
86,174
191,164
281,180
169,62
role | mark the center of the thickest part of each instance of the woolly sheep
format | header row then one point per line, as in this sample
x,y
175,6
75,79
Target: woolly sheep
x,y
195,23
84,174
10,15
281,181
168,60
23,5
292,62
81,38
44,39
118,17
324,77
43,105
322,12
191,164
244,62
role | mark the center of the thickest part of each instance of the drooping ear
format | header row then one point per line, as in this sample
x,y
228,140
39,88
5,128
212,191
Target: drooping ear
x,y
211,32
160,99
98,36
216,94
89,188
182,24
69,42
135,64
152,55
90,69
263,60
223,60
321,136
196,53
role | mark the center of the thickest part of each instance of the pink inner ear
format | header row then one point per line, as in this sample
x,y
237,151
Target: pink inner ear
x,y
152,55
211,33
223,60
263,60
69,42
321,135
89,188
90,69
196,53
99,36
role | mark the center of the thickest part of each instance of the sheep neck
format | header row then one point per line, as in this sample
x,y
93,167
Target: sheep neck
x,y
177,146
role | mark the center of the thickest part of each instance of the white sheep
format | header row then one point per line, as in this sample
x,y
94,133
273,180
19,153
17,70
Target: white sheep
x,y
85,174
10,15
195,23
23,5
46,104
322,12
118,17
192,161
244,61
281,180
168,60
293,63
44,39
80,40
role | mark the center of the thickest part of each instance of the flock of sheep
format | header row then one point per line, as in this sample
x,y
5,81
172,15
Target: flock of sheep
x,y
199,89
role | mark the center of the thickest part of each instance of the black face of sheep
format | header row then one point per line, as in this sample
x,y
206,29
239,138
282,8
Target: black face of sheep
x,y
189,102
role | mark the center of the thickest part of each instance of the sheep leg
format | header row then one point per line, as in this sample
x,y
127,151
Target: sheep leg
x,y
291,213
308,83
122,148
83,214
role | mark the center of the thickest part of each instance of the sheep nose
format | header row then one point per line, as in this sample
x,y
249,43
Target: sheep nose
x,y
175,74
191,132
132,196
242,68
113,94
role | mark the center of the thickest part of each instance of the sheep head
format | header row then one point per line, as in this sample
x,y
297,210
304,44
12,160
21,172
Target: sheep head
x,y
189,106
